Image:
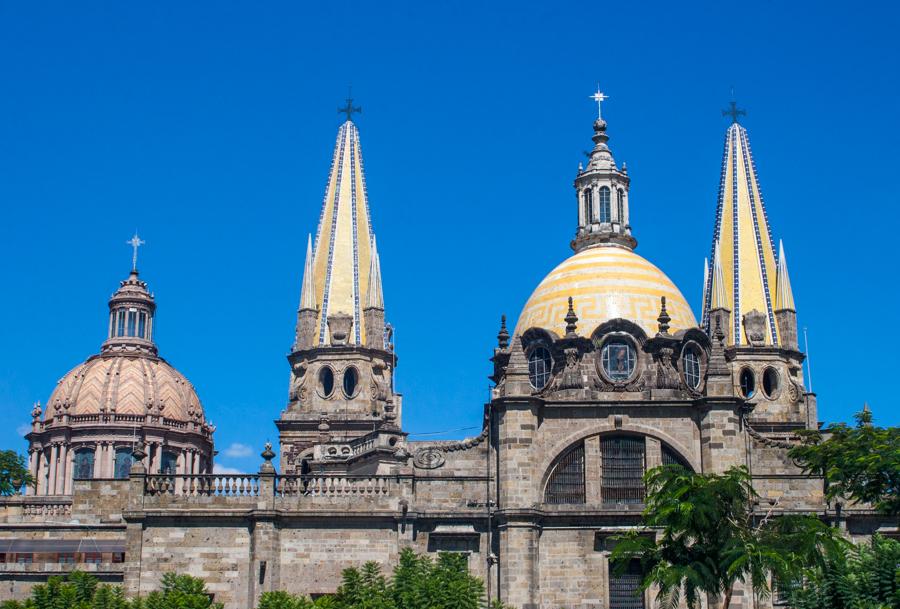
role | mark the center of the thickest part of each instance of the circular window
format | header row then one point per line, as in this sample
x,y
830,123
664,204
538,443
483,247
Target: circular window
x,y
326,381
618,359
690,363
748,383
771,383
539,365
351,380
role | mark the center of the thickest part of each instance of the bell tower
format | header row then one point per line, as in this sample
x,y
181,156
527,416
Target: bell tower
x,y
341,400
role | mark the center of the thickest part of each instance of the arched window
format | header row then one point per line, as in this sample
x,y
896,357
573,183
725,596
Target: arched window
x,y
169,463
539,365
620,204
326,381
123,462
605,213
84,464
748,383
670,457
566,481
622,480
690,362
588,205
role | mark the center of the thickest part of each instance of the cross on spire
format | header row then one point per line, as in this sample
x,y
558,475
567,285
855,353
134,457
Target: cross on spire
x,y
135,242
349,109
599,97
734,112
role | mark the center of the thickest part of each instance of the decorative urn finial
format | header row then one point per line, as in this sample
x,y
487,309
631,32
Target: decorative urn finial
x,y
503,334
571,321
268,454
663,319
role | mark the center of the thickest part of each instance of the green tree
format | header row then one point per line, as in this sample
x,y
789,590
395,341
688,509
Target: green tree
x,y
865,576
861,463
283,600
710,539
13,472
180,592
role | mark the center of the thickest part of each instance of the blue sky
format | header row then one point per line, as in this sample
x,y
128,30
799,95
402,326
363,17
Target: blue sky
x,y
209,128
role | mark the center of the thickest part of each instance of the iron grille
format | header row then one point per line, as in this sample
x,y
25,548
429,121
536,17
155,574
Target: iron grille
x,y
566,484
624,590
623,470
670,457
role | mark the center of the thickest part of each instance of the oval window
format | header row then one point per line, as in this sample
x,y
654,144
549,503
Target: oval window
x,y
771,382
539,365
326,381
351,379
748,383
690,362
618,359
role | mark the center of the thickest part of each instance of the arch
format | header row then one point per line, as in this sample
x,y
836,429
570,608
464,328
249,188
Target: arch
x,y
603,205
623,463
672,457
565,482
607,427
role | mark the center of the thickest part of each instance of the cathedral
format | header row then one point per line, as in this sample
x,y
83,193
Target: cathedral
x,y
606,373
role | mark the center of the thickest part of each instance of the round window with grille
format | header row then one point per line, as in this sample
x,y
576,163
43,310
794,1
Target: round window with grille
x,y
618,358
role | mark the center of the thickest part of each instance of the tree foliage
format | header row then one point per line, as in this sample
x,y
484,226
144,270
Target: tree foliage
x,y
418,582
861,463
710,539
865,576
79,590
13,472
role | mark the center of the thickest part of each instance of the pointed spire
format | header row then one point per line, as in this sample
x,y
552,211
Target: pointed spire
x,y
663,319
747,248
718,295
705,291
503,334
571,321
374,295
308,291
784,295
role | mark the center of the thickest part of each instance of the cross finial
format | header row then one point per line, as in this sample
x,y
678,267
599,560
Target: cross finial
x,y
599,97
734,112
349,109
135,242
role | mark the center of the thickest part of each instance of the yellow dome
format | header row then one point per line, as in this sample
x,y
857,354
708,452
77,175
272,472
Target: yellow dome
x,y
605,283
126,385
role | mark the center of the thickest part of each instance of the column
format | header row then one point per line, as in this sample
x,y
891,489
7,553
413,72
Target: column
x,y
196,460
70,471
156,452
110,460
54,457
592,471
98,461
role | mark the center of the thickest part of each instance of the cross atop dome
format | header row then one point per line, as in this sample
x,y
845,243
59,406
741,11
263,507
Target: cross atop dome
x,y
135,242
734,112
599,97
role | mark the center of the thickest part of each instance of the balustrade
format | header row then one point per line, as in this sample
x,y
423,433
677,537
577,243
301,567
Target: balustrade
x,y
203,485
332,486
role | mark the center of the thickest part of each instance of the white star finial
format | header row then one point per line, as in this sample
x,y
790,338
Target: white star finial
x,y
599,97
135,242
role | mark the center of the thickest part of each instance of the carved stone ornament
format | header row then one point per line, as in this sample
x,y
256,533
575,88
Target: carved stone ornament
x,y
428,458
755,328
794,392
339,326
570,378
667,376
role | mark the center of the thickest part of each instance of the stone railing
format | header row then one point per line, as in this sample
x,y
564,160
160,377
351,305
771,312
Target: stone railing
x,y
61,506
203,485
362,445
333,486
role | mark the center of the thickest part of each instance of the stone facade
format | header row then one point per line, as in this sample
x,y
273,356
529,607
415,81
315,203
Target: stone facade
x,y
585,400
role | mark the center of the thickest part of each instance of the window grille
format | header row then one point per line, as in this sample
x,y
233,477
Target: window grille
x,y
132,321
670,457
566,483
623,470
604,205
625,590
539,365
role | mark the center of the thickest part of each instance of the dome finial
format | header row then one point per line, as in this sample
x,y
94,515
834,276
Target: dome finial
x,y
135,242
599,97
733,111
663,319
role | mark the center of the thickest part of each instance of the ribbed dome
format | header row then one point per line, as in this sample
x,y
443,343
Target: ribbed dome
x,y
605,282
135,384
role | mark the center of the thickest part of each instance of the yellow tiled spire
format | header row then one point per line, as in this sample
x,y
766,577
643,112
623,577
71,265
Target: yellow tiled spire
x,y
342,253
308,291
784,295
747,250
374,294
718,295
